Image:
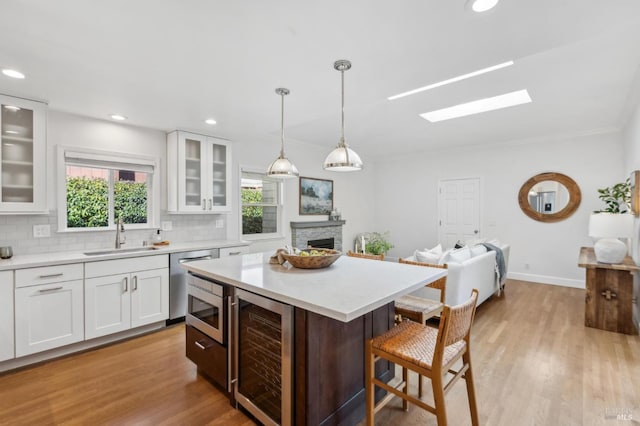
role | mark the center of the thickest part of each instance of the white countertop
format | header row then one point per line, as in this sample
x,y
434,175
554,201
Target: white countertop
x,y
64,257
344,291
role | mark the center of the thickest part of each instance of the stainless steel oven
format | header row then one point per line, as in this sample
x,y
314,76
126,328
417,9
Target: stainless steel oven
x,y
206,307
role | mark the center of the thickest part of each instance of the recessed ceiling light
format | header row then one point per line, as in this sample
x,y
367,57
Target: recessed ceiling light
x,y
210,121
483,5
11,132
481,105
451,80
118,117
12,73
12,107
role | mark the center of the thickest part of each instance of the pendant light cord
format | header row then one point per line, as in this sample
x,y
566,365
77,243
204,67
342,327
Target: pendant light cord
x,y
282,127
342,136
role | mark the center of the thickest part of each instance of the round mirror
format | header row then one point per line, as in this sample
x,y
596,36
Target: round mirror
x,y
549,197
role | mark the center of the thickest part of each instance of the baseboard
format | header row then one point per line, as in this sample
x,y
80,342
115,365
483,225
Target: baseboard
x,y
546,279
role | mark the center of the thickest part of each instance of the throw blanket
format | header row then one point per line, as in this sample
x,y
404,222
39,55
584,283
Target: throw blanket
x,y
501,268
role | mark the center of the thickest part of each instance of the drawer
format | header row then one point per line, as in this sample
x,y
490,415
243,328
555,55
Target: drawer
x,y
209,355
48,274
122,266
234,251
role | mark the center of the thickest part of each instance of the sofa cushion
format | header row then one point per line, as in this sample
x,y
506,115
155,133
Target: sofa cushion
x,y
478,250
459,255
429,255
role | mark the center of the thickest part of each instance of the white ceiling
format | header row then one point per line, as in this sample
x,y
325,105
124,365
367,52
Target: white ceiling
x,y
170,64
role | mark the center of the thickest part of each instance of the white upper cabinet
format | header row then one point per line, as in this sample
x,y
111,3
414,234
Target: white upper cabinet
x,y
22,156
198,173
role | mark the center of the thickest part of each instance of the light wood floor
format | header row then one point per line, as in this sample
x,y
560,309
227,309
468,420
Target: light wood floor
x,y
535,364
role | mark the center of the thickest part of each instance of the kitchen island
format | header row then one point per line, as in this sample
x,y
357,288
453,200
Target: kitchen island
x,y
334,311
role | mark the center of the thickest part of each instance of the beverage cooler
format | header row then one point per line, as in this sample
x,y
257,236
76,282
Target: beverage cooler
x,y
264,333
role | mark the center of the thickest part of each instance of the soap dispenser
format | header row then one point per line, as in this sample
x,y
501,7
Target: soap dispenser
x,y
158,236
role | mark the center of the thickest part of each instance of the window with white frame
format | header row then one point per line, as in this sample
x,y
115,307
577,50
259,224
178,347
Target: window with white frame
x,y
261,198
99,188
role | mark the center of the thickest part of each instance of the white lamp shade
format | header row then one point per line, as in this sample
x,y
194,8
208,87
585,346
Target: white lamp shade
x,y
342,159
282,168
611,225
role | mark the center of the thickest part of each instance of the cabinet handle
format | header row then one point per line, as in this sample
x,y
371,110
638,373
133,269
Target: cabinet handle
x,y
126,284
51,275
234,253
210,204
204,204
201,346
134,284
46,290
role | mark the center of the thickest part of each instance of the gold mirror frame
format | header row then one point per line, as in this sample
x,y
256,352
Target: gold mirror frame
x,y
575,196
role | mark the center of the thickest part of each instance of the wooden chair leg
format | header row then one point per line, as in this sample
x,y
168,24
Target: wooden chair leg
x,y
369,386
437,382
471,390
405,389
419,385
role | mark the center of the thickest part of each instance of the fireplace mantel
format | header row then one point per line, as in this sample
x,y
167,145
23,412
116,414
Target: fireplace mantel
x,y
318,224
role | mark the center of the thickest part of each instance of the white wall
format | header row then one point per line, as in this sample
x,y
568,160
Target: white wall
x,y
631,141
406,199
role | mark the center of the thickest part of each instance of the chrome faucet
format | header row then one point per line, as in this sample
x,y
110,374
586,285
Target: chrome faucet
x,y
120,239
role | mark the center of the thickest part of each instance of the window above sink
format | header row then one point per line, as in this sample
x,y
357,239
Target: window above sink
x,y
96,188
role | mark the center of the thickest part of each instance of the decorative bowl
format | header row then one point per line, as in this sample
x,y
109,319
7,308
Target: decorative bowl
x,y
313,261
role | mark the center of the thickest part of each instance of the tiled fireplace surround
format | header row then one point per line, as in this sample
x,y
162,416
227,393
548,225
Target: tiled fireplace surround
x,y
302,232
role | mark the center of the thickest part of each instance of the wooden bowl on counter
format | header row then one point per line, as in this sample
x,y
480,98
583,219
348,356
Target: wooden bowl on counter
x,y
313,261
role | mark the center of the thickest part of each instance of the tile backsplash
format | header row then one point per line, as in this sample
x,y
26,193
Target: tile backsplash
x,y
17,231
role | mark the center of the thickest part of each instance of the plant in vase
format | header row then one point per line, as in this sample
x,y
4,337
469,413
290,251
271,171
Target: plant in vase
x,y
377,243
613,222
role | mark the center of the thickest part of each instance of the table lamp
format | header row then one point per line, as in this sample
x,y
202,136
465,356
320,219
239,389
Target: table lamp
x,y
606,228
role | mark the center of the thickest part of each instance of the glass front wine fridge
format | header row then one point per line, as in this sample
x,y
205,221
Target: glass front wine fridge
x,y
264,332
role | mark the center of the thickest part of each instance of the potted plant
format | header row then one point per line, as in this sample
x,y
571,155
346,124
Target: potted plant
x,y
377,243
616,197
611,223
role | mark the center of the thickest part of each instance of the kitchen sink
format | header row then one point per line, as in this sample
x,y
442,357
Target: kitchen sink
x,y
116,251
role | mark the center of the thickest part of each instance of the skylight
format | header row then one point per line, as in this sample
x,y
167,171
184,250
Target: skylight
x,y
481,105
451,80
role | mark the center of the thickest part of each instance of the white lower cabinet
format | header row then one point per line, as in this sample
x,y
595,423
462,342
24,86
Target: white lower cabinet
x,y
137,296
48,316
7,350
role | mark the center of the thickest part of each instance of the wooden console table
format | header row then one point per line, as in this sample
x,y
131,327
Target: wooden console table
x,y
609,293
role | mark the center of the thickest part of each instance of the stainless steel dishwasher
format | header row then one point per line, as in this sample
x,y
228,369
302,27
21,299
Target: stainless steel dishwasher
x,y
178,280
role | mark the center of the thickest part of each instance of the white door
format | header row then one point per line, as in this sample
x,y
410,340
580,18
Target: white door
x,y
48,316
107,305
459,210
6,315
149,296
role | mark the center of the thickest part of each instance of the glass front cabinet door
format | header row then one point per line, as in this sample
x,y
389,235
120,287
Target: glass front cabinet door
x,y
199,173
22,155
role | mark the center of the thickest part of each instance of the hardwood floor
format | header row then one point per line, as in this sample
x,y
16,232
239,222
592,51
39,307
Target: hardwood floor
x,y
534,364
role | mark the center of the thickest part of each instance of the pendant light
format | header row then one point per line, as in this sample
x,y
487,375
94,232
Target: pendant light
x,y
342,158
282,167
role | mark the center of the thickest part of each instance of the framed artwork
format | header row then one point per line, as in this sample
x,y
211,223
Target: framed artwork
x,y
316,196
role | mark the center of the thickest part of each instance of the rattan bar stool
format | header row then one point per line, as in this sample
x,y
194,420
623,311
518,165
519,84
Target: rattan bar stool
x,y
429,352
420,309
366,256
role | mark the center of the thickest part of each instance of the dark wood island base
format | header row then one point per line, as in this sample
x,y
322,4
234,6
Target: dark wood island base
x,y
329,366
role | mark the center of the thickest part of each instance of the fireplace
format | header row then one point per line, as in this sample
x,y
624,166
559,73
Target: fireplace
x,y
304,234
327,243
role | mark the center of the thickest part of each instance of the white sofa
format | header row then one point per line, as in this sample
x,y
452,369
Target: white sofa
x,y
478,271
